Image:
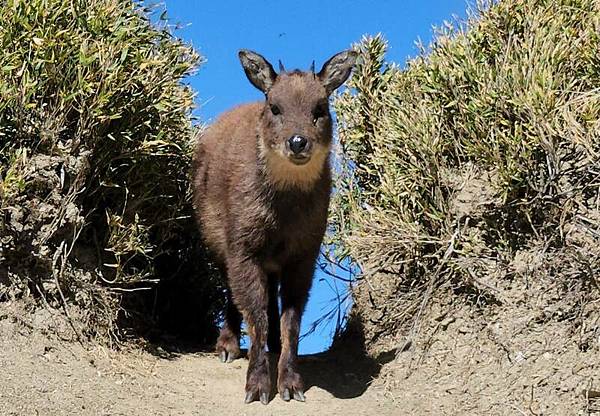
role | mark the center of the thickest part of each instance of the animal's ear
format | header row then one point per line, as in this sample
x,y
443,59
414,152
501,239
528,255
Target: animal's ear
x,y
337,70
258,70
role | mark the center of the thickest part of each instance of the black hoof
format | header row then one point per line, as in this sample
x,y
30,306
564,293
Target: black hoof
x,y
251,397
299,395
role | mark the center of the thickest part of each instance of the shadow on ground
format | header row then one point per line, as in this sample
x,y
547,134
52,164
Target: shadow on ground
x,y
345,370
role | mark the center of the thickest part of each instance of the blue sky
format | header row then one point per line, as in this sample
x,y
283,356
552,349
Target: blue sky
x,y
296,32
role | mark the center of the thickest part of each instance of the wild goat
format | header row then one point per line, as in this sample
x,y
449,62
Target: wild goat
x,y
262,183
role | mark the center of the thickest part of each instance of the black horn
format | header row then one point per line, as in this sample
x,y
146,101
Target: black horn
x,y
281,67
312,67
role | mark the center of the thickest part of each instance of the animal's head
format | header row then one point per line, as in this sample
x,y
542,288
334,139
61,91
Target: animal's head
x,y
296,122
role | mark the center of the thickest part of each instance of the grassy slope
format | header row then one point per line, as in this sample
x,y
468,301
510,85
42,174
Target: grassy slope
x,y
483,150
471,202
95,133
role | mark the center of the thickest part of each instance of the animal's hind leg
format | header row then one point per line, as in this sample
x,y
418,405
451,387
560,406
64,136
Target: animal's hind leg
x,y
228,344
274,336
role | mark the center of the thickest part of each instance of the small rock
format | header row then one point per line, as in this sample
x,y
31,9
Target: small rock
x,y
444,324
520,357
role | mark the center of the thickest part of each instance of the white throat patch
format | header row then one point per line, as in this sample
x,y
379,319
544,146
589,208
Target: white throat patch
x,y
284,174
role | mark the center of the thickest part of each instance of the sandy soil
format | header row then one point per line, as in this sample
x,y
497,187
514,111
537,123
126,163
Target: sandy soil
x,y
509,361
536,352
44,375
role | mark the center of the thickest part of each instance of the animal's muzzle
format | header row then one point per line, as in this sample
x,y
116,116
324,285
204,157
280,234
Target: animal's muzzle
x,y
298,145
298,149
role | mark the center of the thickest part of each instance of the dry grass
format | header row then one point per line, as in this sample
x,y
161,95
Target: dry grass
x,y
482,152
95,128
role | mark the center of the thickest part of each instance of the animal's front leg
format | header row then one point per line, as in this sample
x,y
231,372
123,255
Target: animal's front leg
x,y
295,285
248,283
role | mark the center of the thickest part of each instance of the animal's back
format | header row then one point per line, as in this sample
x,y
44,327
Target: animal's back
x,y
225,158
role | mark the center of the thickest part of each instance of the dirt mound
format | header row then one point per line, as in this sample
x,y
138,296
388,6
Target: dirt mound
x,y
516,359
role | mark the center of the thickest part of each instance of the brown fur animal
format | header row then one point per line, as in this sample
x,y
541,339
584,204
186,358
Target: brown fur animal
x,y
262,183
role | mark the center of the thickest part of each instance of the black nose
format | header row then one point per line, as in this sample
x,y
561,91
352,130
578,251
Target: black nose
x,y
297,144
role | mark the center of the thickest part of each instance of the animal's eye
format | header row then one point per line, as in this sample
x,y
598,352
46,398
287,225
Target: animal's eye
x,y
320,111
275,110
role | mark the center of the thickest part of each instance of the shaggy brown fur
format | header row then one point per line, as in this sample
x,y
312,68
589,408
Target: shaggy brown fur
x,y
262,206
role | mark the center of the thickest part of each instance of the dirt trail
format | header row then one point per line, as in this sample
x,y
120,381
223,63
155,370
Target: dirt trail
x,y
44,375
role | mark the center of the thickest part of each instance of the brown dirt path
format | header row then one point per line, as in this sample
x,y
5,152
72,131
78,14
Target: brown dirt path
x,y
43,375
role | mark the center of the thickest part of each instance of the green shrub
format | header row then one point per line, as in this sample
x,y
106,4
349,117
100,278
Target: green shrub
x,y
485,146
95,136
